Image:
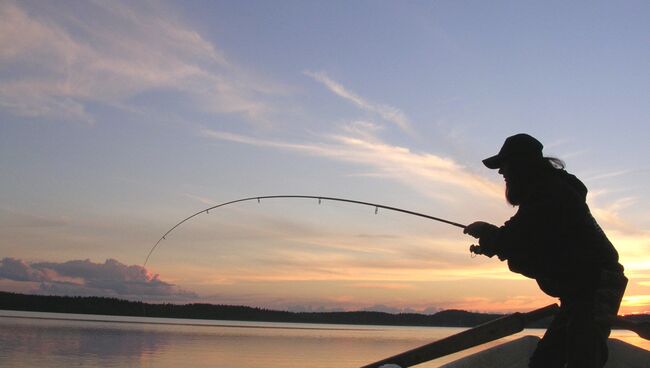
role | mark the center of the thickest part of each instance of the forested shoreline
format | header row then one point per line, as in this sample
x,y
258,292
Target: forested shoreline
x,y
120,307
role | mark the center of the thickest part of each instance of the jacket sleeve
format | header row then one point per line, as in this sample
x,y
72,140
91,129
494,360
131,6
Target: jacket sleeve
x,y
528,241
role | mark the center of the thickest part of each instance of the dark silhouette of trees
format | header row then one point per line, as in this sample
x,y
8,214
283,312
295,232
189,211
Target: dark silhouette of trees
x,y
119,307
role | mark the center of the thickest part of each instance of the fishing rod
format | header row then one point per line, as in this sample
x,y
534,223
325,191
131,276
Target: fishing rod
x,y
319,198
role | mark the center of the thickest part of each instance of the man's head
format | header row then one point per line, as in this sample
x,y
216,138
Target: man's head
x,y
519,147
518,161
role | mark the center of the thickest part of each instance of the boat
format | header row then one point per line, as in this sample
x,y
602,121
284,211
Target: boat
x,y
515,354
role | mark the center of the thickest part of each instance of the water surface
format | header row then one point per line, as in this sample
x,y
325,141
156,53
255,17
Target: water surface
x,y
29,339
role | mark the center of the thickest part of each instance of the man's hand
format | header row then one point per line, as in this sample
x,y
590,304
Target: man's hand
x,y
479,229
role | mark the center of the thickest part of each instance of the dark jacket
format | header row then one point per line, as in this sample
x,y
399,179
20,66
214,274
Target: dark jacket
x,y
554,239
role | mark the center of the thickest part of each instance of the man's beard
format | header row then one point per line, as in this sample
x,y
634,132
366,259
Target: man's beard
x,y
514,192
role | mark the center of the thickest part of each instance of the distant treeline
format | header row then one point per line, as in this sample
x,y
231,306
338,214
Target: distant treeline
x,y
119,307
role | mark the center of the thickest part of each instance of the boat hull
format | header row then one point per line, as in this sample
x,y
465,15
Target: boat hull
x,y
515,354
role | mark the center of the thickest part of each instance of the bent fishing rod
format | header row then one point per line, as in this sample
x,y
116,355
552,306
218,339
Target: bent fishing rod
x,y
319,198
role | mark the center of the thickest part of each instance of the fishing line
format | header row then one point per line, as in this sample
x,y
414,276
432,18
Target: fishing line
x,y
319,198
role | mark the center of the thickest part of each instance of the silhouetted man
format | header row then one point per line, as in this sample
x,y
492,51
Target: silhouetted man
x,y
554,239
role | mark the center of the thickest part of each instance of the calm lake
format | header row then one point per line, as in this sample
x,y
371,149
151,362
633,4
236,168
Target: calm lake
x,y
29,339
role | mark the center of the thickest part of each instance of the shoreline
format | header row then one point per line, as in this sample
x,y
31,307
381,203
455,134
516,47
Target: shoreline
x,y
76,317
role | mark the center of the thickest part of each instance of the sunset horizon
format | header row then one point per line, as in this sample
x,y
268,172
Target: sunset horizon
x,y
120,119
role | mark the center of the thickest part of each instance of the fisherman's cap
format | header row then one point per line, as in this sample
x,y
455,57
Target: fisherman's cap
x,y
520,146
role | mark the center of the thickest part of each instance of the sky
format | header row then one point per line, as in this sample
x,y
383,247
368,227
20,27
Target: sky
x,y
118,119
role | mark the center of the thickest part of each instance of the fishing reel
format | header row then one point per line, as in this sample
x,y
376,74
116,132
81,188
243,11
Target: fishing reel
x,y
482,250
475,250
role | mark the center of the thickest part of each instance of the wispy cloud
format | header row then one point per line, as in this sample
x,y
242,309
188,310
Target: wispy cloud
x,y
386,112
609,215
10,218
111,52
421,171
615,174
641,302
201,199
383,285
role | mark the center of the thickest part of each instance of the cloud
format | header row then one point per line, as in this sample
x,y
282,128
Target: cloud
x,y
386,112
18,270
84,277
639,301
201,199
507,304
56,62
383,285
388,309
10,218
424,172
615,174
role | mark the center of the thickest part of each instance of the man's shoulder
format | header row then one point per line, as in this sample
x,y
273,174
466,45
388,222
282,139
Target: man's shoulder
x,y
560,186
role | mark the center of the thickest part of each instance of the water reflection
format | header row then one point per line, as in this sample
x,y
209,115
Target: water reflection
x,y
39,343
54,343
25,342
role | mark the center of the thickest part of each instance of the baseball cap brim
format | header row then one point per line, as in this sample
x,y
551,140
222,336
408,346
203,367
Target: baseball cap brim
x,y
493,162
